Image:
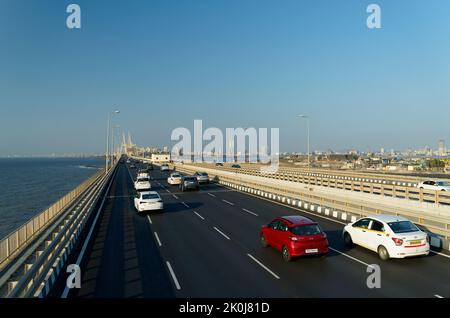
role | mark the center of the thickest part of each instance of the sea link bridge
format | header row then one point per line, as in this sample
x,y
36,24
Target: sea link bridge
x,y
206,243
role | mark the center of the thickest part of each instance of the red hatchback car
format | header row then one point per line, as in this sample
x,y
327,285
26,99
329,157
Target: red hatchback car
x,y
294,236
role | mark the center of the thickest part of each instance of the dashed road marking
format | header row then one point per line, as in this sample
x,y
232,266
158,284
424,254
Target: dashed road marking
x,y
230,203
172,273
201,217
248,211
264,266
223,234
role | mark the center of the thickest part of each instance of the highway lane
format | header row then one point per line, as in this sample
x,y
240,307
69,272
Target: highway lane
x,y
416,277
123,261
412,277
205,244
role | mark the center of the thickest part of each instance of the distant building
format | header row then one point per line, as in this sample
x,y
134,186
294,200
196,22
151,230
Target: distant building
x,y
160,157
442,151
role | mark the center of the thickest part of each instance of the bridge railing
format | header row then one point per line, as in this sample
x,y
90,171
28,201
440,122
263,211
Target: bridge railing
x,y
19,238
390,186
342,207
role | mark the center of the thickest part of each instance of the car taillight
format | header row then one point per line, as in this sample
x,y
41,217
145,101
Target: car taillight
x,y
397,241
324,235
293,238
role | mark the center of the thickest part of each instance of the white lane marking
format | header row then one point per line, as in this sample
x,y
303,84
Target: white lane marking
x,y
168,191
157,238
314,214
201,217
264,266
248,211
175,196
438,296
351,257
230,203
150,220
215,228
442,254
185,205
175,280
211,195
292,207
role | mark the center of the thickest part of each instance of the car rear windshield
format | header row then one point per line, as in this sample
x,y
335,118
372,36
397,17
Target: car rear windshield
x,y
203,174
175,176
150,196
190,179
143,180
304,230
403,227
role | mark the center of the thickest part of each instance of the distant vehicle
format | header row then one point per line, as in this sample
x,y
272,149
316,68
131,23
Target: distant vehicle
x,y
434,185
165,167
174,178
294,236
189,183
219,164
235,166
147,201
132,166
390,236
142,183
128,161
150,167
143,174
202,177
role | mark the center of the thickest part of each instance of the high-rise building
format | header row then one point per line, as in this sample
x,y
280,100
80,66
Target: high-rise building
x,y
442,151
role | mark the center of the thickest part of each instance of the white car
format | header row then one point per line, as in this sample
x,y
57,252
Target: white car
x,y
434,185
174,178
390,236
142,184
202,177
143,175
147,201
165,167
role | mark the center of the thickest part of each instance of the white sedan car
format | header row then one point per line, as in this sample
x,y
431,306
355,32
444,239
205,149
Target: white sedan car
x,y
390,236
434,185
165,167
202,177
142,183
143,175
148,201
174,178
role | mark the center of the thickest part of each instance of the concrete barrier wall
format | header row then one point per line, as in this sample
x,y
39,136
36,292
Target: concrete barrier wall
x,y
334,203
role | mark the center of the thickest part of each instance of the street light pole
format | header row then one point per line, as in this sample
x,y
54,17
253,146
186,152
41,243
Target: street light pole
x,y
108,132
308,141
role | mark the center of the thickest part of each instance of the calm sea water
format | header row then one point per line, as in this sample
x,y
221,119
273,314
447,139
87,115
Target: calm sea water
x,y
29,185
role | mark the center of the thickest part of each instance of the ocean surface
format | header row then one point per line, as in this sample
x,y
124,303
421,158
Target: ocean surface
x,y
30,185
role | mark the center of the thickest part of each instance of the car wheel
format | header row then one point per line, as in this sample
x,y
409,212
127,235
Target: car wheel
x,y
286,255
264,241
348,240
383,253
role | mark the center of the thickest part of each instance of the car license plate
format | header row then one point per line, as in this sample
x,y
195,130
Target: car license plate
x,y
312,250
415,242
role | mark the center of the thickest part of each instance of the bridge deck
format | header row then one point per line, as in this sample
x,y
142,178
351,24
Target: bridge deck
x,y
207,238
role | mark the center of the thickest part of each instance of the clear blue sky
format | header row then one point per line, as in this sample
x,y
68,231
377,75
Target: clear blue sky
x,y
232,63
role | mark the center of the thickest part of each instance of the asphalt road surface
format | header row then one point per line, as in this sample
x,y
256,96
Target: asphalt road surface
x,y
206,244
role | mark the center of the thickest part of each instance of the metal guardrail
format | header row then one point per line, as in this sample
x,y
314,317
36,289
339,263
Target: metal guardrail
x,y
398,188
32,257
433,224
15,241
